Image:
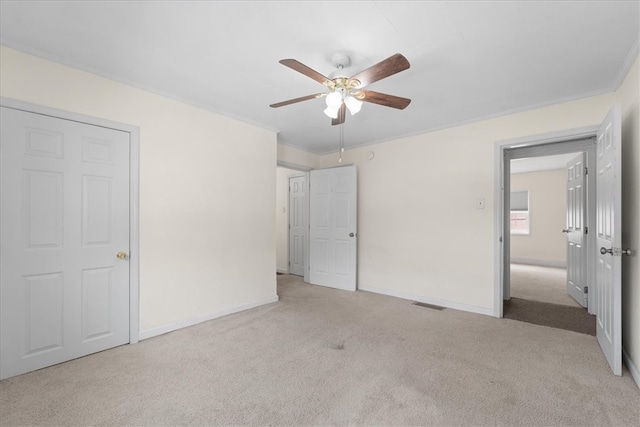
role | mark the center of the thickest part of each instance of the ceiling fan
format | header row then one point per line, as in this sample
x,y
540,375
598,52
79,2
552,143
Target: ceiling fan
x,y
347,92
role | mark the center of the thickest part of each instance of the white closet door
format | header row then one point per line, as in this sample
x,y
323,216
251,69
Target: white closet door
x,y
65,216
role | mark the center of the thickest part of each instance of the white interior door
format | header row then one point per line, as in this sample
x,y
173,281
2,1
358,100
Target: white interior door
x,y
333,227
64,293
609,251
576,239
297,224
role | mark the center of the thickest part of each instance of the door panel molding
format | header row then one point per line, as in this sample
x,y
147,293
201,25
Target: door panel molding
x,y
333,227
609,237
298,224
134,191
577,247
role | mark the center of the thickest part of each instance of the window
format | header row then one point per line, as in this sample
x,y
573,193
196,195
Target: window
x,y
519,212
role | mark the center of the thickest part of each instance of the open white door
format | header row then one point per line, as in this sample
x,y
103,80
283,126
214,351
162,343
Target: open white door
x,y
576,239
608,268
297,224
333,216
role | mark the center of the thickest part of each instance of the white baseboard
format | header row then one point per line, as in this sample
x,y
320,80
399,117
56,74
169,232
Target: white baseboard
x,y
540,262
282,270
427,300
199,319
631,366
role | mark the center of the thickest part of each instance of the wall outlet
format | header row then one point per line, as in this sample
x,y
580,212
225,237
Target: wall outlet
x,y
480,203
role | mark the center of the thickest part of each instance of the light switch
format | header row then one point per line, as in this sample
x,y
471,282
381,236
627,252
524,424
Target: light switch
x,y
480,203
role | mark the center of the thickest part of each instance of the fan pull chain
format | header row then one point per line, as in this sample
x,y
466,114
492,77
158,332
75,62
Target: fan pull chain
x,y
341,142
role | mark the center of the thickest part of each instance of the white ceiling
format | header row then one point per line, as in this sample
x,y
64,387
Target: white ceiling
x,y
469,60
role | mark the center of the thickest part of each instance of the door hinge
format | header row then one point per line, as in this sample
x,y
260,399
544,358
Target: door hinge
x,y
586,230
500,239
586,171
586,289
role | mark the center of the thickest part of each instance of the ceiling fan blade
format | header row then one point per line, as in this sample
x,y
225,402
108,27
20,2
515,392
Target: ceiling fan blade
x,y
384,99
301,68
294,100
390,66
342,114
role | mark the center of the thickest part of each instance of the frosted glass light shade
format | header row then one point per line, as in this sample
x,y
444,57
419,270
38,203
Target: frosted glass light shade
x,y
354,105
332,112
334,100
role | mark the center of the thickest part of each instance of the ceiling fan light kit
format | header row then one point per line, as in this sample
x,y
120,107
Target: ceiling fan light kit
x,y
334,100
347,92
342,90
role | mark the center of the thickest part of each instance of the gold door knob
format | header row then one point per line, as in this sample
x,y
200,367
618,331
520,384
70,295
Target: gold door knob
x,y
121,255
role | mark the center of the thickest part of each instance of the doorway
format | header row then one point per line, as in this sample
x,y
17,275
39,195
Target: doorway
x,y
321,209
579,140
292,219
536,152
298,218
546,206
603,145
282,218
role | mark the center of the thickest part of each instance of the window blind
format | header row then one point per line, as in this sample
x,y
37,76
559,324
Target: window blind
x,y
519,200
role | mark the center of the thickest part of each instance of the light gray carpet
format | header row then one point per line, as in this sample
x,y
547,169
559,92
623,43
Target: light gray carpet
x,y
545,284
327,357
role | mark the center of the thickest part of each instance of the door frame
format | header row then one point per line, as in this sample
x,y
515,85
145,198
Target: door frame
x,y
134,191
561,142
304,170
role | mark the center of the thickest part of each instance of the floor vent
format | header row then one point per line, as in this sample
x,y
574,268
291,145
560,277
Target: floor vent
x,y
431,306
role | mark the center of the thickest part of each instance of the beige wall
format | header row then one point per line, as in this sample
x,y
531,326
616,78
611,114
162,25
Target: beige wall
x,y
207,230
628,96
546,244
418,227
289,157
282,218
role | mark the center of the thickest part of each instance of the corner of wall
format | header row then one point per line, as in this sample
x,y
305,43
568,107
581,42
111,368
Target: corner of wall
x,y
294,158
